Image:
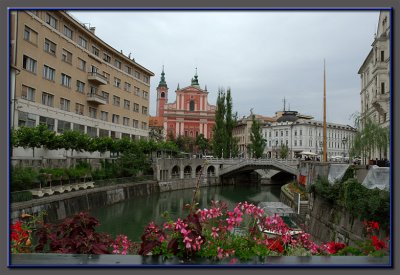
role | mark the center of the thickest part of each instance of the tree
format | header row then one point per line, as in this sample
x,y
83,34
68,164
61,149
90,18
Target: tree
x,y
284,151
219,130
34,137
370,138
257,141
202,143
75,140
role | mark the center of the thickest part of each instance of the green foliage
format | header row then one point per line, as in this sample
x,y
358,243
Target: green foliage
x,y
257,141
202,143
223,143
371,137
23,178
363,203
284,151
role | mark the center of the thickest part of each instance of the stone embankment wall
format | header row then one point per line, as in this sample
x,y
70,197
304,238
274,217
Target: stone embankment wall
x,y
328,223
64,205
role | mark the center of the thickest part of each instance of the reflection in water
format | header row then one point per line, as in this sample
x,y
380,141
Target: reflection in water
x,y
131,216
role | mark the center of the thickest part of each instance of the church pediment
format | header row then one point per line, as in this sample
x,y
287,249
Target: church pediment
x,y
191,89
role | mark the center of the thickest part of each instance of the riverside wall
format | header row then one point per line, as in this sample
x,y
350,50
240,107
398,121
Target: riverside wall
x,y
64,205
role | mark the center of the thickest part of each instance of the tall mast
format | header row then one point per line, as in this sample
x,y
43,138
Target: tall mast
x,y
324,133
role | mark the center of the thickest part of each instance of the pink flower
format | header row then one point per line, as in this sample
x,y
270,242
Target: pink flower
x,y
214,233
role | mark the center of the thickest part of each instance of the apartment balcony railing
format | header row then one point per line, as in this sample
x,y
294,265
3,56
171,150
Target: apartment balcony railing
x,y
97,78
96,98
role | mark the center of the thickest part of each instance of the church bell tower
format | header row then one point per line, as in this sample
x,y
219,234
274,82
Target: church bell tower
x,y
162,95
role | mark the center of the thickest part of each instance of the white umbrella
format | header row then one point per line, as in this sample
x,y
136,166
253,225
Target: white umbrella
x,y
308,153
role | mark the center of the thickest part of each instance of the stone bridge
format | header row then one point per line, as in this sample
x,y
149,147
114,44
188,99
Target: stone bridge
x,y
289,166
166,169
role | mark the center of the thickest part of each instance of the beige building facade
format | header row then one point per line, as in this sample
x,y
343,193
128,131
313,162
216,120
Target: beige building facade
x,y
375,78
66,77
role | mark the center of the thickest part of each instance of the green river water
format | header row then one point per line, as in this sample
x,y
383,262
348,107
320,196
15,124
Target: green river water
x,y
131,216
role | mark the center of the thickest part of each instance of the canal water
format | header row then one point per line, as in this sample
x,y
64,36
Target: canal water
x,y
131,216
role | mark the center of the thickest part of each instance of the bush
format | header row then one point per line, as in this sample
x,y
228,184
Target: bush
x,y
23,179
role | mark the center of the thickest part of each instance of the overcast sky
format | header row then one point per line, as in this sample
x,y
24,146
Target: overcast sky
x,y
262,56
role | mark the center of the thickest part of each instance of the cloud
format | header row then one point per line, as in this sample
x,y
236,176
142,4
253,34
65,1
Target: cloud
x,y
262,56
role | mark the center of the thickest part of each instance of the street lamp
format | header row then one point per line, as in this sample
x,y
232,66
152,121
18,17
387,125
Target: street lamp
x,y
344,141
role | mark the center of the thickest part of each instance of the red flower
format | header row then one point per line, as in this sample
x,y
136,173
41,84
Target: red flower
x,y
276,246
378,244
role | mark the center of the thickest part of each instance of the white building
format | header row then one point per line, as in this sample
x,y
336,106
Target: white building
x,y
375,77
304,134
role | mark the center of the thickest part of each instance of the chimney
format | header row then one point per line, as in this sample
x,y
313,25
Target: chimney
x,y
92,29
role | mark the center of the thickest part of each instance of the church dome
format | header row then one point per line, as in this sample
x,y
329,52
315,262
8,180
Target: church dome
x,y
290,116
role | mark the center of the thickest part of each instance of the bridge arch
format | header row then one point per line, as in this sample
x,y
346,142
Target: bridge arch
x,y
211,170
175,172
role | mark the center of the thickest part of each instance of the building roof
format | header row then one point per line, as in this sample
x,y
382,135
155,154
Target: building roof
x,y
156,121
162,80
288,116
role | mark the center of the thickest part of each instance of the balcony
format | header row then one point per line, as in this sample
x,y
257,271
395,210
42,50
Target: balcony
x,y
378,102
97,78
95,98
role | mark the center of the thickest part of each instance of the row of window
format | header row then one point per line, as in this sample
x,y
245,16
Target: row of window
x,y
31,36
310,144
48,100
310,132
49,73
29,120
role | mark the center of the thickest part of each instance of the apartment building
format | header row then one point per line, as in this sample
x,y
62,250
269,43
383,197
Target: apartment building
x,y
301,133
375,79
66,77
242,132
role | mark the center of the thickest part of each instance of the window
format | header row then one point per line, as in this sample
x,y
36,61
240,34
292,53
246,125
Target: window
x,y
127,104
125,121
49,47
269,134
127,87
63,126
117,82
300,142
115,118
82,42
28,93
30,35
146,79
107,76
79,109
301,132
80,86
47,99
64,104
81,64
67,56
295,133
29,64
191,105
145,95
91,131
104,115
137,74
26,119
287,132
382,87
103,133
276,133
382,56
144,110
117,64
95,51
135,123
295,143
106,58
281,133
116,100
137,91
93,90
144,126
94,69
79,128
135,107
128,69
68,32
92,112
52,21
66,80
105,95
49,122
49,73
